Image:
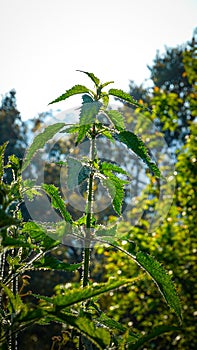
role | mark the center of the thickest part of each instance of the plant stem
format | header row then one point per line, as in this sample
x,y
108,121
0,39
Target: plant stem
x,y
87,239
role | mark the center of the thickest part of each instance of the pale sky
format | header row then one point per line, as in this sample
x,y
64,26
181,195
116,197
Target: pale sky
x,y
43,42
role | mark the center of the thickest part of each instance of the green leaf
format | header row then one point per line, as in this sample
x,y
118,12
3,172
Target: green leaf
x,y
134,143
29,190
115,187
89,111
107,83
156,332
105,99
162,280
39,235
71,130
97,335
87,99
15,303
82,131
112,167
116,118
109,231
2,151
52,263
15,242
77,173
125,97
57,201
112,324
77,89
39,142
91,76
76,295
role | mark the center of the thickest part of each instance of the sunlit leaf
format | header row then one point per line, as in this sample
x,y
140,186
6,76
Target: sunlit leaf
x,y
99,336
106,231
162,279
77,89
112,167
91,76
107,83
115,187
77,172
76,295
40,141
134,143
57,201
52,263
116,118
82,132
124,96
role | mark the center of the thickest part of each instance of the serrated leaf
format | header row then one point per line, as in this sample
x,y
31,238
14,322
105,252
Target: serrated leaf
x,y
105,99
106,231
82,131
40,141
107,133
97,335
134,143
76,295
52,263
91,76
89,111
2,151
29,190
57,201
15,303
77,173
112,324
125,97
107,83
39,235
162,280
112,167
71,130
115,187
116,118
14,242
77,89
156,332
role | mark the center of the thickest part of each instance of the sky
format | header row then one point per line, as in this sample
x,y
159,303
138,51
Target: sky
x,y
44,42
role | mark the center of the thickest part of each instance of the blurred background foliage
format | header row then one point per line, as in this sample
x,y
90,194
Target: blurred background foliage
x,y
171,98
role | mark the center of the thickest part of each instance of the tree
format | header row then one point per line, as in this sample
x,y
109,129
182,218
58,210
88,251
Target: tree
x,y
13,129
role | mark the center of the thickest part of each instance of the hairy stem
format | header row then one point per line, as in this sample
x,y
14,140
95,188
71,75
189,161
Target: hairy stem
x,y
87,240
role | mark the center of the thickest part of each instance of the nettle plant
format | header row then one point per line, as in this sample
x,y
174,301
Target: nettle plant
x,y
78,307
